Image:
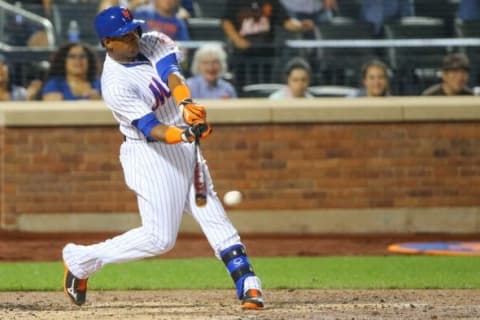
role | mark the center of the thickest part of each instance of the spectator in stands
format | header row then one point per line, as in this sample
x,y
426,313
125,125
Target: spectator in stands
x,y
310,12
23,32
45,6
209,65
251,25
73,74
162,17
377,12
11,92
374,80
297,77
455,74
131,4
469,10
186,9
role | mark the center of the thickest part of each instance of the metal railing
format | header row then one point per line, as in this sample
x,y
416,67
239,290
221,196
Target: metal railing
x,y
385,43
45,23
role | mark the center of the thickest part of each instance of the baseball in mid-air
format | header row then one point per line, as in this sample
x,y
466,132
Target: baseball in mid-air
x,y
232,198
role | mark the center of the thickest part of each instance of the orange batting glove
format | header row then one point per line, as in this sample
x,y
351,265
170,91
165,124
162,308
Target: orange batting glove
x,y
175,135
193,113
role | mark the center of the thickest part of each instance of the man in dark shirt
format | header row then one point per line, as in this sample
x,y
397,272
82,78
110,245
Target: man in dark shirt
x,y
250,26
455,69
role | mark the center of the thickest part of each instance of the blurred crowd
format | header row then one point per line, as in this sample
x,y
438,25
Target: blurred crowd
x,y
250,48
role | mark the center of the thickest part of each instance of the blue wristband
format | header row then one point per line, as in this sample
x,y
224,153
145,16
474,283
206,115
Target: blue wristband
x,y
146,124
166,66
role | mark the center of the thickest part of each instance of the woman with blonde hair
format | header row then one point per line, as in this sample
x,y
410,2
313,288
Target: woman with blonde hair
x,y
209,66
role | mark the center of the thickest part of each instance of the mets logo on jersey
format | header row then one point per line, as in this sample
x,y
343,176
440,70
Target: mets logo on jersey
x,y
126,13
160,92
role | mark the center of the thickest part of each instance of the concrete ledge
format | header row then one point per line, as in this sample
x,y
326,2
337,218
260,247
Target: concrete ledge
x,y
353,221
392,109
441,108
337,110
55,113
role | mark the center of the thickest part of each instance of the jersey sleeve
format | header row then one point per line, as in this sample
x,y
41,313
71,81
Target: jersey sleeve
x,y
125,102
164,46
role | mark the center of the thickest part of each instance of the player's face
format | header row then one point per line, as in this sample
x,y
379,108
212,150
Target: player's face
x,y
455,80
298,81
375,81
76,62
210,68
123,48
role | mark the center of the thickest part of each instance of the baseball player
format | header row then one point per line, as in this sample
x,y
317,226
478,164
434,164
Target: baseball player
x,y
143,86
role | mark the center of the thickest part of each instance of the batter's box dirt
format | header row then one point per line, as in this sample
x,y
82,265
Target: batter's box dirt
x,y
222,305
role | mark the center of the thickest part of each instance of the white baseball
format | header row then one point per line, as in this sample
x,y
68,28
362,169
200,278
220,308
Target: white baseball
x,y
232,198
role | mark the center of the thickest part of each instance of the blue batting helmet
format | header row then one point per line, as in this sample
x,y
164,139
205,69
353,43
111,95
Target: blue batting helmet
x,y
115,22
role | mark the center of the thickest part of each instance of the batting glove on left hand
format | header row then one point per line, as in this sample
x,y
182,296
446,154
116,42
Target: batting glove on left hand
x,y
193,113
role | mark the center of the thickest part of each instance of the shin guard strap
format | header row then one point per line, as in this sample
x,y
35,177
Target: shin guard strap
x,y
238,265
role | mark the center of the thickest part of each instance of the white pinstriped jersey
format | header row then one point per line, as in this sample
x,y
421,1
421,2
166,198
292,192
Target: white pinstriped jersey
x,y
132,90
160,174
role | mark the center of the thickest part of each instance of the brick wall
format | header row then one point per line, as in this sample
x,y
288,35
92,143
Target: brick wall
x,y
277,166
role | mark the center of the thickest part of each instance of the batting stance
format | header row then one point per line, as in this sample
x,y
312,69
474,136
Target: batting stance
x,y
143,86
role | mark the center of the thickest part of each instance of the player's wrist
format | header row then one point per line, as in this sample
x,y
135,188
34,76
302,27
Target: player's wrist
x,y
181,94
174,135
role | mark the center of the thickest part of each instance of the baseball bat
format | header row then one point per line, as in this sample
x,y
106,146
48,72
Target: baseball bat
x,y
199,182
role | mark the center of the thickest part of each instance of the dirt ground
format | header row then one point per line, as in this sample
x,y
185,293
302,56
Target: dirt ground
x,y
222,304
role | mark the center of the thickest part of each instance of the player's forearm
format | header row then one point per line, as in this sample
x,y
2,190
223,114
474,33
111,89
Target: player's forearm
x,y
178,87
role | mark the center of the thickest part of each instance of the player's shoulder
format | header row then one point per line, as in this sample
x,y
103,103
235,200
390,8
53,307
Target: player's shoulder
x,y
158,37
111,71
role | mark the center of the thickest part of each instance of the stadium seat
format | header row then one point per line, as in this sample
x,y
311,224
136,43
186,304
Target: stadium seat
x,y
34,8
333,91
416,66
470,29
210,8
205,29
261,90
349,8
445,10
83,14
340,66
416,28
467,29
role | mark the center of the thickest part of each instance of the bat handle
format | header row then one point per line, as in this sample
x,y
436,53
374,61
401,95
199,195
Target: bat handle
x,y
200,183
200,200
